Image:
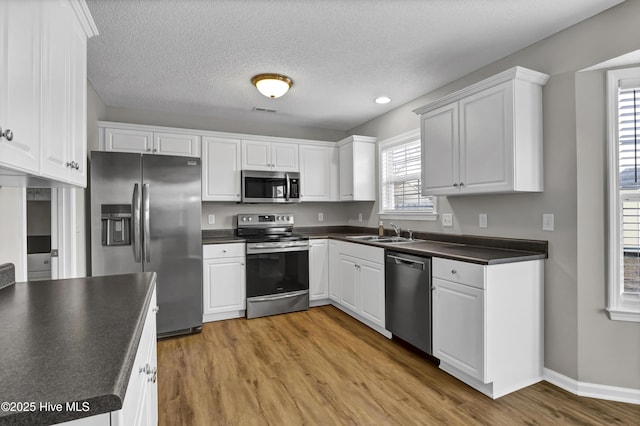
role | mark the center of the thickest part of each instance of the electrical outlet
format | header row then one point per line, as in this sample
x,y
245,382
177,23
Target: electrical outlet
x,y
359,217
320,217
212,219
547,222
482,220
447,219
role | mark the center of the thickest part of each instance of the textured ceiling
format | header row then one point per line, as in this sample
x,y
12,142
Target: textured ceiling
x,y
198,56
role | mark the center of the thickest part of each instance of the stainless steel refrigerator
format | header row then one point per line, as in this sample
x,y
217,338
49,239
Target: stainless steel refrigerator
x,y
145,216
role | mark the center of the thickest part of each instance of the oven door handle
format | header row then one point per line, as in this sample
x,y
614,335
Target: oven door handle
x,y
276,249
279,296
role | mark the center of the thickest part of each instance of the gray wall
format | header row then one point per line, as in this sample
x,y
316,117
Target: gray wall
x,y
580,341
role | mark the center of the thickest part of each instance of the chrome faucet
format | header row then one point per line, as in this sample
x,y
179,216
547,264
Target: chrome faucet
x,y
396,228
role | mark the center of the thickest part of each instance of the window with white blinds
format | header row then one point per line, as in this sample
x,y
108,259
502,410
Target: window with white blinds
x,y
624,194
400,169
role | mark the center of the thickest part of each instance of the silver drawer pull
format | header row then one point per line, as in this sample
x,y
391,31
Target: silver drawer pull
x,y
453,271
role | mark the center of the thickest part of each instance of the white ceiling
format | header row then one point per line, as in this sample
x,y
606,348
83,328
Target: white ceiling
x,y
198,56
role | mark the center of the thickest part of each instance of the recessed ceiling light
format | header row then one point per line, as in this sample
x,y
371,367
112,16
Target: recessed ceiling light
x,y
383,100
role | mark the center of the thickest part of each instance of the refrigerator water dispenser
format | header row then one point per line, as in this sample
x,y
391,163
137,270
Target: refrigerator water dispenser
x,y
116,224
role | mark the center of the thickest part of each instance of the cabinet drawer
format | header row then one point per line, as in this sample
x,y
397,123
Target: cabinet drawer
x,y
469,274
215,251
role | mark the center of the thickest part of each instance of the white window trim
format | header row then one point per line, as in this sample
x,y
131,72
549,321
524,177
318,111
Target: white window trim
x,y
620,306
405,215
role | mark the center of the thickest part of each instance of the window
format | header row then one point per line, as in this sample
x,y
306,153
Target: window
x,y
624,194
400,174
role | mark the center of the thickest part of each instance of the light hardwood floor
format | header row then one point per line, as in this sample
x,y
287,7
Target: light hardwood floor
x,y
321,367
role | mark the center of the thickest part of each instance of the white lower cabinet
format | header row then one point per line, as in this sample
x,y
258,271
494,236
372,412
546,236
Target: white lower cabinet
x,y
356,282
140,406
224,293
488,323
318,272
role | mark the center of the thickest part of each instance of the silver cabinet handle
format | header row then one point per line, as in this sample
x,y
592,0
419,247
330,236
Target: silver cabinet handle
x,y
8,134
146,369
154,375
455,185
148,149
461,184
453,271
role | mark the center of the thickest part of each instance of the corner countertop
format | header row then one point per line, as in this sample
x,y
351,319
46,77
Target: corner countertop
x,y
71,340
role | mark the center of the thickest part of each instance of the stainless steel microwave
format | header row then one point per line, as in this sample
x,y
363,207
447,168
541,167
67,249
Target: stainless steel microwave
x,y
270,187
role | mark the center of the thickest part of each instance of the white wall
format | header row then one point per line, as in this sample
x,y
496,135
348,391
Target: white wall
x,y
580,342
10,225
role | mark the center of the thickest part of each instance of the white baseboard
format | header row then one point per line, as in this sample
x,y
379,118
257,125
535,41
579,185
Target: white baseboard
x,y
592,390
386,333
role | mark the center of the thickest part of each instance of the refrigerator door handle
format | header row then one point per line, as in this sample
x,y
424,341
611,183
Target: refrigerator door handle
x,y
146,237
136,223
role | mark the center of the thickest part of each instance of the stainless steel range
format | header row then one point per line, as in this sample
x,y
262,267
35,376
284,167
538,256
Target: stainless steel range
x,y
277,264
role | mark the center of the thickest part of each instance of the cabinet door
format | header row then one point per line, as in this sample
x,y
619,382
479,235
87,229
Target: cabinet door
x,y
176,144
315,173
224,285
284,157
318,270
64,82
125,140
56,89
346,172
372,292
486,140
459,327
349,282
220,169
77,143
20,31
334,272
440,151
256,155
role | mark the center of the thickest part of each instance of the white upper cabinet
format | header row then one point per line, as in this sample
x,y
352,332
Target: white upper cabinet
x,y
357,168
20,36
176,144
486,138
128,140
43,80
269,156
319,169
64,105
220,169
145,140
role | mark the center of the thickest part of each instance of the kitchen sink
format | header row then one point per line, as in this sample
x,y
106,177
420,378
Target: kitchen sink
x,y
377,239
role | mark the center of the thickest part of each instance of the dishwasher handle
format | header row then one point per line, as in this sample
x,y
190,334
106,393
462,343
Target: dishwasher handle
x,y
406,262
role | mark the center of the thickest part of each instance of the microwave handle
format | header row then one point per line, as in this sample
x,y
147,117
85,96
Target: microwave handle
x,y
287,187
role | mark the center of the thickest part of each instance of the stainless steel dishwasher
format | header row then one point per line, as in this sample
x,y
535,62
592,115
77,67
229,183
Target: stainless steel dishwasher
x,y
408,298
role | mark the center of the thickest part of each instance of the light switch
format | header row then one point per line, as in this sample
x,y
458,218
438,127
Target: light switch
x,y
482,220
212,219
547,222
447,219
359,217
320,217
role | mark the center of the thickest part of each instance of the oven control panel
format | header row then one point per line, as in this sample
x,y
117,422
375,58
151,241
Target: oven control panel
x,y
265,220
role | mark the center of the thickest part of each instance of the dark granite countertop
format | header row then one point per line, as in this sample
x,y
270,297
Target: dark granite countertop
x,y
71,340
468,248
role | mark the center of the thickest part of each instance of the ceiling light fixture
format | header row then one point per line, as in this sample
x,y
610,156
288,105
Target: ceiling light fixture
x,y
272,85
383,100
